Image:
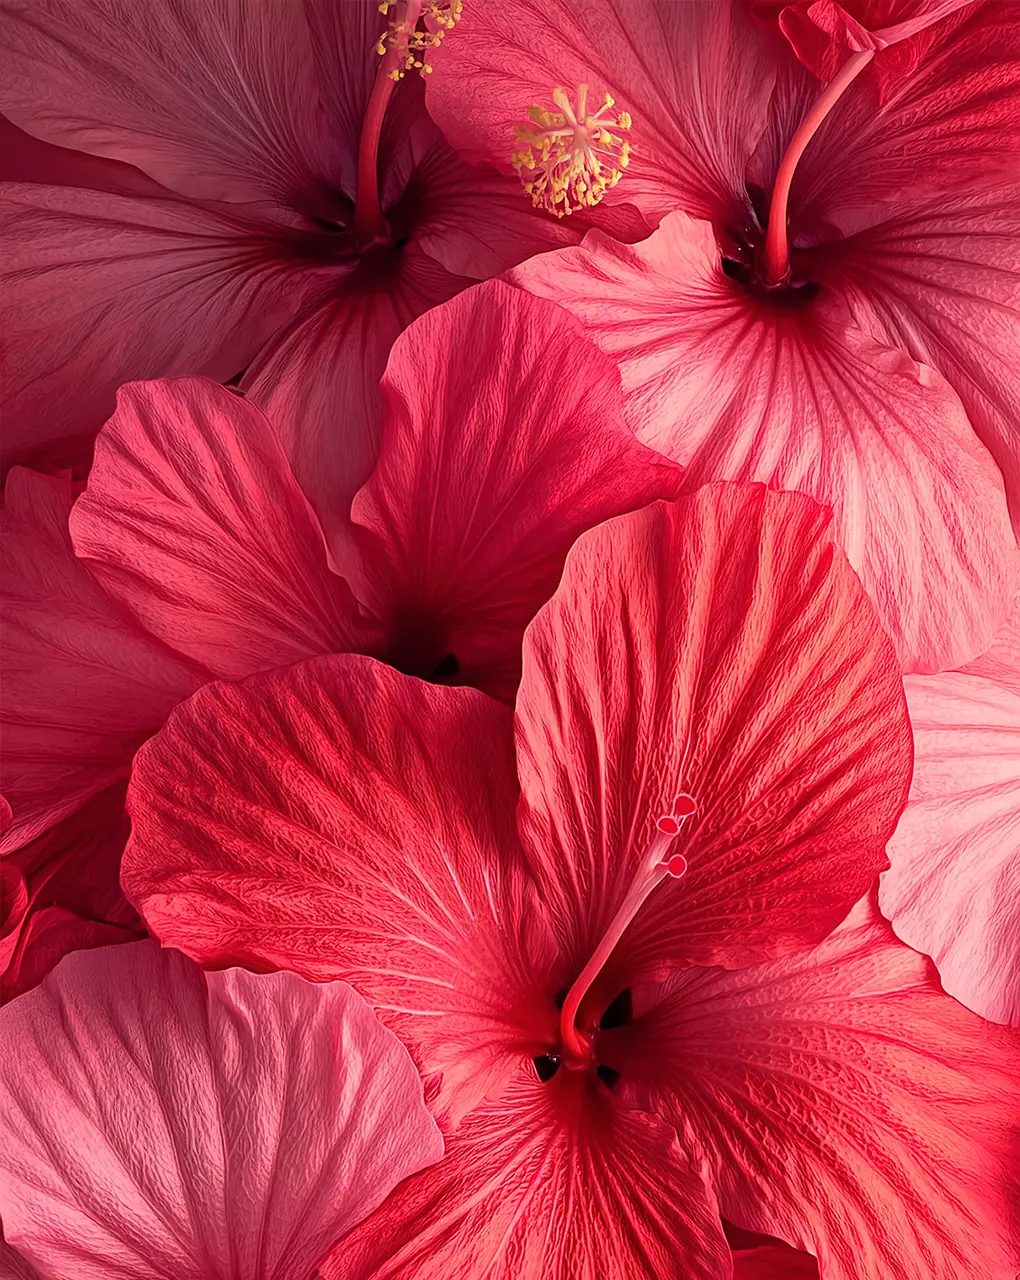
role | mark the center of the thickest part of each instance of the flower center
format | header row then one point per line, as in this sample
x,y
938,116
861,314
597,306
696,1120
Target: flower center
x,y
657,864
568,160
415,27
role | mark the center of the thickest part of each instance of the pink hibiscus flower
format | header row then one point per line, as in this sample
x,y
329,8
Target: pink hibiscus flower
x,y
830,302
953,889
269,198
711,752
193,554
166,1124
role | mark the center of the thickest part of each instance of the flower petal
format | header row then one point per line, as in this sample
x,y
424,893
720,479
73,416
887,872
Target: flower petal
x,y
851,1106
164,1123
101,289
952,890
83,684
193,521
340,819
216,101
736,387
772,1263
718,646
477,497
555,1181
696,79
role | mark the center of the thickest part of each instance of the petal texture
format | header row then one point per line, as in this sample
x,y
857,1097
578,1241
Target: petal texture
x,y
718,646
194,522
165,1124
850,1104
736,387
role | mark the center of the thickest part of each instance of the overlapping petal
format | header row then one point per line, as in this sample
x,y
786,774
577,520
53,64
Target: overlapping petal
x,y
738,386
850,1105
168,1124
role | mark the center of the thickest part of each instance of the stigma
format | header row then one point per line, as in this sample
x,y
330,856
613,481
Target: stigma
x,y
567,160
415,28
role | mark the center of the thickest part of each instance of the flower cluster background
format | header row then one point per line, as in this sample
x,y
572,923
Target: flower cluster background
x,y
510,640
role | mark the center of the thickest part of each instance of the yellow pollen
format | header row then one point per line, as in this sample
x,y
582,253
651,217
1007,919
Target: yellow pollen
x,y
413,40
568,160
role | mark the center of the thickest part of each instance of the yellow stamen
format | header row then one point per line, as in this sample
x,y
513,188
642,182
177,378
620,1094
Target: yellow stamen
x,y
413,40
567,160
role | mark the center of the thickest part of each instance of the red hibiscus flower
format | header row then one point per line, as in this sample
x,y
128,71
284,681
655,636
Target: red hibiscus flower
x,y
286,191
845,321
711,751
166,1124
199,557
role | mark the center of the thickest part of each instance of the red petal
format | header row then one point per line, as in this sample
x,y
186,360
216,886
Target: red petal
x,y
162,1122
851,1106
193,520
476,500
718,646
738,389
83,684
771,1263
554,1183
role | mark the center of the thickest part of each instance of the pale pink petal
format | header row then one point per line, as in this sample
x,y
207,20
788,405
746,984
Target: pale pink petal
x,y
464,525
165,1124
100,289
555,1182
737,387
851,1106
216,100
943,282
717,646
194,522
340,819
953,889
695,78
83,684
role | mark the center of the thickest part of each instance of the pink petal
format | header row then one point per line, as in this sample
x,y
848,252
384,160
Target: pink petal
x,y
339,818
27,159
736,388
952,890
83,684
476,499
193,521
101,289
942,281
14,1267
162,1122
718,646
852,1106
218,102
696,79
550,1183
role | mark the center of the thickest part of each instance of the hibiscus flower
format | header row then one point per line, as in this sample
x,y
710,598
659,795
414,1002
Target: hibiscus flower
x,y
953,889
711,752
830,301
193,554
269,199
166,1124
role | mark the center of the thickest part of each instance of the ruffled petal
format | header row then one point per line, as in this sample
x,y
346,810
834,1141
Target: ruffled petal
x,y
343,820
851,1106
168,1124
737,388
696,79
465,523
717,646
193,521
101,288
217,101
553,1183
83,684
952,889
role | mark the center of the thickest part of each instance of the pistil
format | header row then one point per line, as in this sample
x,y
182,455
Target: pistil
x,y
774,266
656,866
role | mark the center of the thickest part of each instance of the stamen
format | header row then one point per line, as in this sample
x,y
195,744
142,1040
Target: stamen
x,y
406,39
655,867
568,160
